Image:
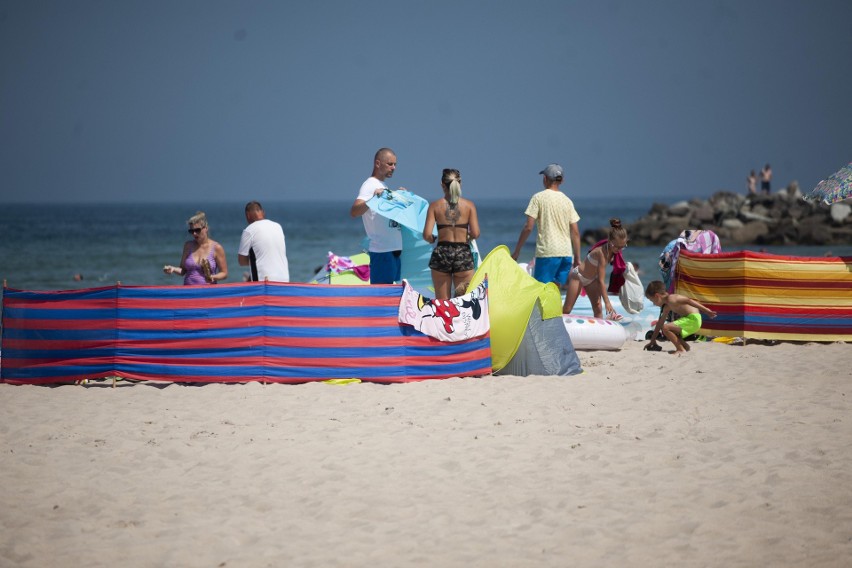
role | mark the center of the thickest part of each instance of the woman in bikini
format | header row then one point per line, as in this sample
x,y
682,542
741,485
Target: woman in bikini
x,y
203,260
457,222
591,272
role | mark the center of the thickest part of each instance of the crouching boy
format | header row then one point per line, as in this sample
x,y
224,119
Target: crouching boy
x,y
688,309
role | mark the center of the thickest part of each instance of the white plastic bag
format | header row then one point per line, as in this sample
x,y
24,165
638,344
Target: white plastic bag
x,y
632,294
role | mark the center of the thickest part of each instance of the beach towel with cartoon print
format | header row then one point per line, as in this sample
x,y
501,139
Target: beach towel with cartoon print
x,y
456,319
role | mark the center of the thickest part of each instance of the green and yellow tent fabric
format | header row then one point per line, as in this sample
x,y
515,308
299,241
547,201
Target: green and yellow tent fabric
x,y
512,296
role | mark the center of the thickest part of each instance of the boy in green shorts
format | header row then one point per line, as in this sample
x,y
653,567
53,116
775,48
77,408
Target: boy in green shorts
x,y
688,309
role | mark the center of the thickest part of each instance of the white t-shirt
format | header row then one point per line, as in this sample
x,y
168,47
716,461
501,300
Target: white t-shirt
x,y
384,234
266,238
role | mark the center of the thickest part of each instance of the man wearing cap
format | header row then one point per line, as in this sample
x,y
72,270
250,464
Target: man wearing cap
x,y
385,237
557,247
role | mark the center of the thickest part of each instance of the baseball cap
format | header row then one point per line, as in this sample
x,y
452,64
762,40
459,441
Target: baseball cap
x,y
552,171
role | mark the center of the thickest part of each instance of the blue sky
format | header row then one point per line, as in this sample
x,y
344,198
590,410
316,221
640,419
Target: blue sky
x,y
184,100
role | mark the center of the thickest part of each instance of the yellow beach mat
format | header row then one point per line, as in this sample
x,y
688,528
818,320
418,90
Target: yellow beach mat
x,y
512,295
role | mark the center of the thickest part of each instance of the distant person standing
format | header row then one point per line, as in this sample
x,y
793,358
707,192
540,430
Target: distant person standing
x,y
262,246
751,183
557,247
385,246
766,180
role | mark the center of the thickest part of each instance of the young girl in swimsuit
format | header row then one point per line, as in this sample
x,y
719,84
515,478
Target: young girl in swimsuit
x,y
203,260
457,222
591,272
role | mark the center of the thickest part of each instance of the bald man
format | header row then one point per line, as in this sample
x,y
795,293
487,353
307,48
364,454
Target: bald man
x,y
385,237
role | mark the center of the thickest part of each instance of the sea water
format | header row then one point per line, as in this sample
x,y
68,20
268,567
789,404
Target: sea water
x,y
43,247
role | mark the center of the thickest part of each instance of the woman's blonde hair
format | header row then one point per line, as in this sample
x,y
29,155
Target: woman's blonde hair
x,y
198,219
451,179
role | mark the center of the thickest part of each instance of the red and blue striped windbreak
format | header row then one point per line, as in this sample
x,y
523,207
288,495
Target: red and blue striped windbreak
x,y
256,331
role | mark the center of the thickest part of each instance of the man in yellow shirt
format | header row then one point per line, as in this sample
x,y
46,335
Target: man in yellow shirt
x,y
557,247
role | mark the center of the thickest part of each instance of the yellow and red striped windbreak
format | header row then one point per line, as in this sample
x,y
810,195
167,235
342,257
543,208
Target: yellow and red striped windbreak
x,y
767,296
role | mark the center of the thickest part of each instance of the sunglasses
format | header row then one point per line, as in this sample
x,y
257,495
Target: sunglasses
x,y
196,231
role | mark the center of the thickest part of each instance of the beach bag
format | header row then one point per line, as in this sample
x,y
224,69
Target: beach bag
x,y
632,295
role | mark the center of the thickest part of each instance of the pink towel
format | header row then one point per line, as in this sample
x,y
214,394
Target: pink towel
x,y
340,264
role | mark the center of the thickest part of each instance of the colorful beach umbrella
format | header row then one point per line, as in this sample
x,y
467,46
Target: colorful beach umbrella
x,y
836,188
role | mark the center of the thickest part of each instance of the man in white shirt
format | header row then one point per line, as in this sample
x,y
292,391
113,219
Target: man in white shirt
x,y
385,236
262,247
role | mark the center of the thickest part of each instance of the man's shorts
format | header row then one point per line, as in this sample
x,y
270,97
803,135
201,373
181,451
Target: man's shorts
x,y
385,267
552,269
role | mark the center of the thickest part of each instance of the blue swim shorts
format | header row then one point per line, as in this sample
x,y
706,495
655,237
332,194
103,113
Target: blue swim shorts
x,y
385,267
552,269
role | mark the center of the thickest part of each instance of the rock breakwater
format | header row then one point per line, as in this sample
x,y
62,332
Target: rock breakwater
x,y
783,218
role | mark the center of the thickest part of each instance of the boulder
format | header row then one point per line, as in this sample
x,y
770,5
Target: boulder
x,y
793,191
839,212
704,213
813,232
750,232
680,209
797,209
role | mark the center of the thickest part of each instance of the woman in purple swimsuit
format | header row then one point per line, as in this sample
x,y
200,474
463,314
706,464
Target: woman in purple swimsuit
x,y
203,260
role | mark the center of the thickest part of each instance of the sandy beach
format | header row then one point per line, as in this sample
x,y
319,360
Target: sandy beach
x,y
729,456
